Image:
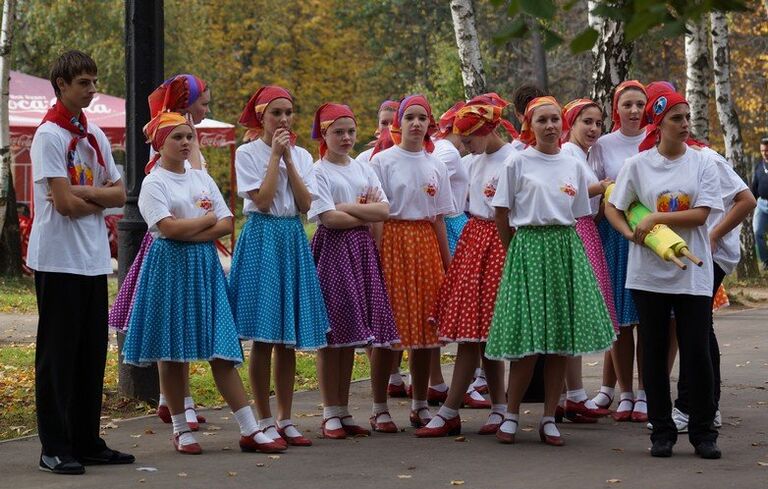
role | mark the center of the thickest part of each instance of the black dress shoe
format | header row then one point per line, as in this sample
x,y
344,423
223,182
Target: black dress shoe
x,y
107,457
708,449
662,448
64,464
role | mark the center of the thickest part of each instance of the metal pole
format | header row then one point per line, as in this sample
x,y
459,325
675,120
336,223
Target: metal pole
x,y
144,71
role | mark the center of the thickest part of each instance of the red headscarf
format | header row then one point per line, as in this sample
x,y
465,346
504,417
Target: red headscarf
x,y
571,112
157,131
445,124
655,90
526,135
78,127
392,105
624,86
326,115
482,115
384,142
658,109
176,94
409,101
253,113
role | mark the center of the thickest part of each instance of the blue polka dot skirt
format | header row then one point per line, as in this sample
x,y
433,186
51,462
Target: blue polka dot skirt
x,y
274,289
616,249
181,310
454,225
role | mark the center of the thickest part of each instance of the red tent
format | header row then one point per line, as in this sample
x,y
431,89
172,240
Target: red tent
x,y
30,98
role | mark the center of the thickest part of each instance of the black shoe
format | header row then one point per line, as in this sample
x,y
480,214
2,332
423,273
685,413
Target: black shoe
x,y
662,448
65,464
107,457
708,449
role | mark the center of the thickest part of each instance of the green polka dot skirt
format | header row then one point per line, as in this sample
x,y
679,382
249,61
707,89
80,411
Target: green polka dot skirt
x,y
548,301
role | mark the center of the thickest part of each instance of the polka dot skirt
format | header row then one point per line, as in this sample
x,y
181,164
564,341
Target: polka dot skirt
x,y
121,309
587,231
454,225
616,250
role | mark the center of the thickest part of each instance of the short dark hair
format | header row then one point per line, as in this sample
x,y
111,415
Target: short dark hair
x,y
764,140
524,94
69,65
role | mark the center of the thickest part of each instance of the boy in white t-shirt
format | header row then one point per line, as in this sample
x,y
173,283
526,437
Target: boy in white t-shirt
x,y
75,180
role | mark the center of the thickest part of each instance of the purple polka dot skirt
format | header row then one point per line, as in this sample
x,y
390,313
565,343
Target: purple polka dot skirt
x,y
121,309
349,269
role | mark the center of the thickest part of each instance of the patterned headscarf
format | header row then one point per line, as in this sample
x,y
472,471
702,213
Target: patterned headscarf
x,y
482,115
253,113
624,86
176,94
157,131
326,115
658,109
445,124
571,112
526,135
655,90
431,127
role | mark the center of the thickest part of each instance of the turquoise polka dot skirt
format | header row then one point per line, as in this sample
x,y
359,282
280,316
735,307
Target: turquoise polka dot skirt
x,y
548,301
181,310
274,289
454,225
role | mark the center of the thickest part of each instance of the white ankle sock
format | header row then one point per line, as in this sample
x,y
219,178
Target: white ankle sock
x,y
290,430
510,428
346,418
180,425
578,395
549,428
246,420
626,402
479,373
380,408
161,401
267,425
475,395
418,405
331,412
604,397
641,407
561,401
446,413
396,379
189,403
441,387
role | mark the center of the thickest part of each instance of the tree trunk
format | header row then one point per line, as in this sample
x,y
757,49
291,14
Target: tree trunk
x,y
539,56
594,21
10,241
472,74
729,120
611,60
697,78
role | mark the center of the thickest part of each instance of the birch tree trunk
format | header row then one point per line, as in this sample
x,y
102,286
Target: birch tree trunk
x,y
729,120
594,21
10,242
472,74
539,56
697,78
611,60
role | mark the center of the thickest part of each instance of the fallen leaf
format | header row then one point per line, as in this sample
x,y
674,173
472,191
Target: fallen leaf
x,y
226,449
111,426
613,481
527,411
762,464
208,433
404,476
457,483
148,431
212,428
135,436
259,464
592,364
274,457
527,429
460,438
231,474
146,469
617,449
412,467
142,481
182,474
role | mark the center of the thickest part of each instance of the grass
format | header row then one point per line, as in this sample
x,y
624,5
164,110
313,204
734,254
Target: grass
x,y
17,387
17,295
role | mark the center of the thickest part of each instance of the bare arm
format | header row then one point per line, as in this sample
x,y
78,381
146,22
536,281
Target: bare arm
x,y
111,195
66,202
502,224
340,220
598,188
618,221
442,240
378,211
743,205
186,229
690,218
222,227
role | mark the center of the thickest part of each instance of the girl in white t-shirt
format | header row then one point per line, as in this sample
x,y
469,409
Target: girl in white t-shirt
x,y
680,186
181,311
348,200
465,303
548,301
413,243
189,96
607,157
275,293
584,119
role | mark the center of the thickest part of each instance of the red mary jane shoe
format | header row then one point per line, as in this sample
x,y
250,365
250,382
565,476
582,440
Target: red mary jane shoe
x,y
435,397
396,390
353,429
582,409
190,449
296,441
472,403
335,434
451,427
555,441
504,437
249,444
637,416
416,420
383,427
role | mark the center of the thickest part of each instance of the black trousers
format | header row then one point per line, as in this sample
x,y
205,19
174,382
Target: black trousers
x,y
693,315
681,402
69,361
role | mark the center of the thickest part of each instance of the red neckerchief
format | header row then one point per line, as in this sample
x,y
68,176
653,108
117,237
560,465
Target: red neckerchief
x,y
59,115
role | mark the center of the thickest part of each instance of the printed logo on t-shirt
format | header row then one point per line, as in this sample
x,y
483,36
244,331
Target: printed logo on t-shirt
x,y
430,189
568,189
489,189
79,172
204,201
668,201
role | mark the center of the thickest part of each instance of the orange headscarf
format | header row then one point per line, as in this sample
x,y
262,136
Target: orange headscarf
x,y
526,134
408,101
482,115
571,112
325,115
157,131
253,113
445,123
176,94
624,86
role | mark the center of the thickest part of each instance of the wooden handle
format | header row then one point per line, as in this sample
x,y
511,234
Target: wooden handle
x,y
695,259
677,262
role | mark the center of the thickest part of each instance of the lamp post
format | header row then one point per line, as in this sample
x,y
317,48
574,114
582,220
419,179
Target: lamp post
x,y
143,72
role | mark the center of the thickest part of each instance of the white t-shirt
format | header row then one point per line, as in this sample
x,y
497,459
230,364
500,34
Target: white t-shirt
x,y
181,195
663,185
608,154
540,189
458,175
728,251
251,161
341,184
484,170
518,145
416,184
365,156
67,244
575,150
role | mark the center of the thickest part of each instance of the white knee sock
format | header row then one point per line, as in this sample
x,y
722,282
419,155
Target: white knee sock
x,y
180,425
